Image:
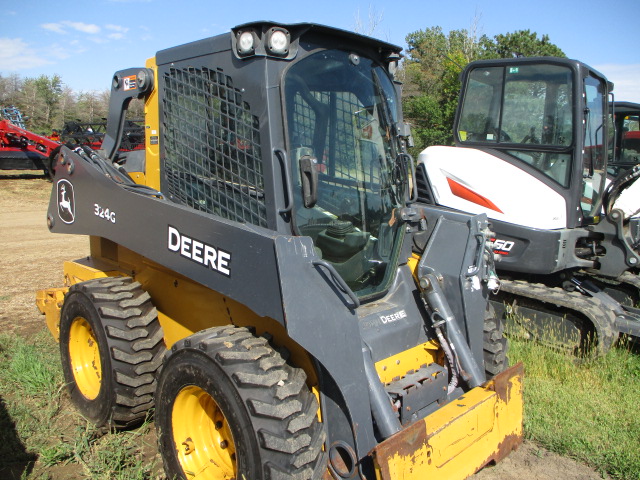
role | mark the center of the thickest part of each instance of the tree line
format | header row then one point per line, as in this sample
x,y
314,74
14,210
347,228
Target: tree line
x,y
47,103
430,72
432,67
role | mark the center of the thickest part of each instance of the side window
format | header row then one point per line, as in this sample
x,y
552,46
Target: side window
x,y
481,109
594,144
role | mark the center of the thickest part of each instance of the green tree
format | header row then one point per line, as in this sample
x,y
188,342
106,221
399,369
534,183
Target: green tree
x,y
38,100
49,90
432,69
10,87
93,106
521,43
67,109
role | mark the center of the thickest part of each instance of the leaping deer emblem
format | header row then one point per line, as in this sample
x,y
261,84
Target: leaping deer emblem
x,y
66,207
65,204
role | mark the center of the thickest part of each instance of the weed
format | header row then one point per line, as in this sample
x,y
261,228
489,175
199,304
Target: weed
x,y
584,410
26,370
30,371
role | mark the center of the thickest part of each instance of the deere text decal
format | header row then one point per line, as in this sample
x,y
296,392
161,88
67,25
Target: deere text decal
x,y
199,252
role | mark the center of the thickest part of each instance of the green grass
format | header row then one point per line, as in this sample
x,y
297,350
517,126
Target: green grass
x,y
586,410
41,434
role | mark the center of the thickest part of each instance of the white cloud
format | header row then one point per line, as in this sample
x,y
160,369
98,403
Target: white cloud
x,y
83,27
626,80
16,55
118,31
54,27
60,52
59,27
117,28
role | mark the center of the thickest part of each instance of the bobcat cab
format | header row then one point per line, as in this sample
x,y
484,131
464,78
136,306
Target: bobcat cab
x,y
532,138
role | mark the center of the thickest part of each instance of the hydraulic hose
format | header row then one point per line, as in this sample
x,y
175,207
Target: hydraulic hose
x,y
119,177
448,353
436,300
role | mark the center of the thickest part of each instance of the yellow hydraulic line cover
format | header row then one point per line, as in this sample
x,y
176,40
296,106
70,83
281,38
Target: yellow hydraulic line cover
x,y
484,425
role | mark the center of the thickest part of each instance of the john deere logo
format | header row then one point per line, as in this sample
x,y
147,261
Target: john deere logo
x,y
66,201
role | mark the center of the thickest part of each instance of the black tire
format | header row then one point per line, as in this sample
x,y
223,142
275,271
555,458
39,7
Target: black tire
x,y
115,388
266,424
52,162
496,345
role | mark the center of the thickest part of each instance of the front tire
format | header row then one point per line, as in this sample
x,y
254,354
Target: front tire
x,y
228,406
111,346
495,344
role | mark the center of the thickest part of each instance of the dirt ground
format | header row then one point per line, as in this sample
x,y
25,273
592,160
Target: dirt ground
x,y
31,258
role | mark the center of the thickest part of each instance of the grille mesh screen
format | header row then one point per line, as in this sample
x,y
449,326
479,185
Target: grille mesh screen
x,y
212,146
345,126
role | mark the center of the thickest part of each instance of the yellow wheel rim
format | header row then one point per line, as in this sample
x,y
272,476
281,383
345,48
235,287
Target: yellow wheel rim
x,y
85,358
202,438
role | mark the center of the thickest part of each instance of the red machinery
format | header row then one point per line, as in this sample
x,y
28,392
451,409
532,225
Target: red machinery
x,y
21,149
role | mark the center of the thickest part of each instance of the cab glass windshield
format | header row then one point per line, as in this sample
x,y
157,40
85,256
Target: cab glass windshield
x,y
525,110
341,114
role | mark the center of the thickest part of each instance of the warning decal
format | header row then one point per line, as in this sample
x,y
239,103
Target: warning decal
x,y
129,83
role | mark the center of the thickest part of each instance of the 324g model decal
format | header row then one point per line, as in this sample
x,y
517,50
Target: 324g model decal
x,y
105,213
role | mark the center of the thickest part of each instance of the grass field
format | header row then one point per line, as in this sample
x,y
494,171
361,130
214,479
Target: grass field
x,y
39,429
586,411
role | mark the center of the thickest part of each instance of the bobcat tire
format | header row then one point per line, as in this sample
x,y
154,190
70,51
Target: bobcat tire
x,y
111,346
229,406
495,344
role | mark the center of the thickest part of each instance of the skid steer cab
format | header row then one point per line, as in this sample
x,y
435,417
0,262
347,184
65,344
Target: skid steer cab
x,y
260,276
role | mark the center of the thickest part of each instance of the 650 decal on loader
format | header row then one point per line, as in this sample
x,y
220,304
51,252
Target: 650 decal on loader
x,y
263,276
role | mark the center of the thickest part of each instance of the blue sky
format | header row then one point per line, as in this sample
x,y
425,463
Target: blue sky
x,y
85,42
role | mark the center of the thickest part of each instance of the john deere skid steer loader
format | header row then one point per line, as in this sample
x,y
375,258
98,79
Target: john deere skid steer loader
x,y
532,138
260,275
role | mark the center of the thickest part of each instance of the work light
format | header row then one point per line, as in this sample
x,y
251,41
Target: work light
x,y
278,41
246,43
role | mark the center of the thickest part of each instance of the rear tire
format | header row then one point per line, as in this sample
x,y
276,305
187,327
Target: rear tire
x,y
111,345
229,406
496,345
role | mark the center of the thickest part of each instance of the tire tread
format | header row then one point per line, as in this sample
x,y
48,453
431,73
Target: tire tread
x,y
135,344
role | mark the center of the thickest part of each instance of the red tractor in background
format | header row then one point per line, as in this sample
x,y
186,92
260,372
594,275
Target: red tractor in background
x,y
21,149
